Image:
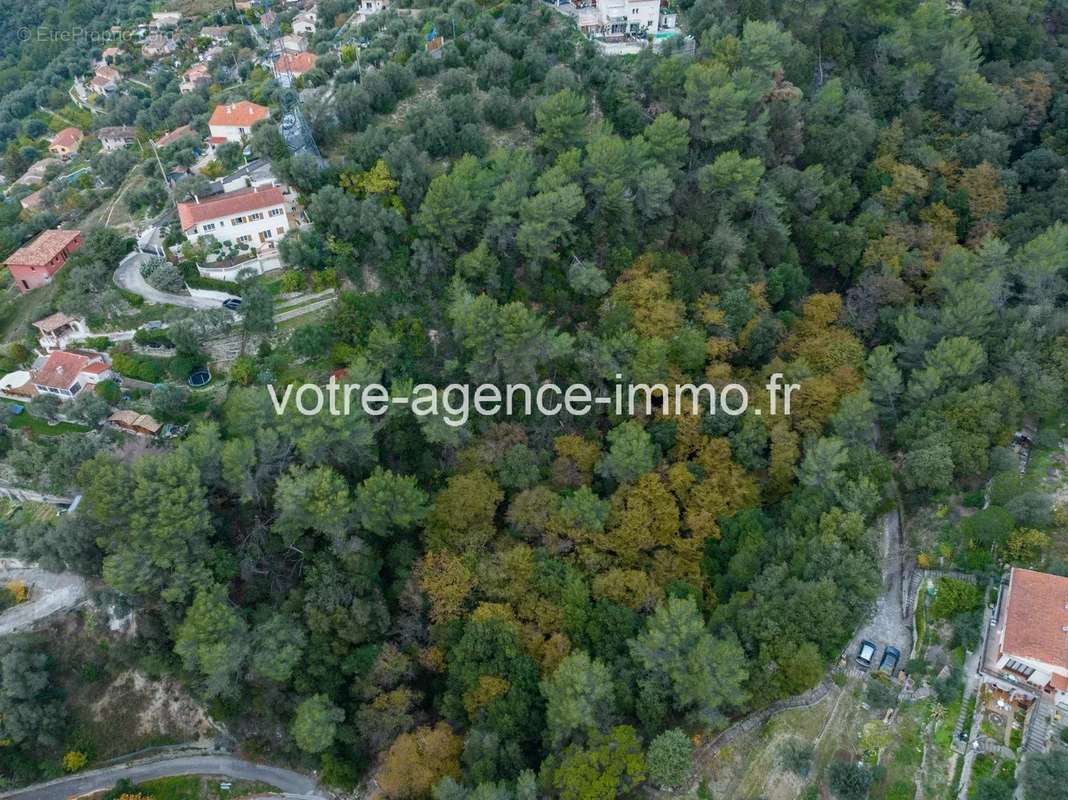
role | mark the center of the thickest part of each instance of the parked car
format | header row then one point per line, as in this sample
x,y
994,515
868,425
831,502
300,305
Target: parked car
x,y
889,661
866,653
232,303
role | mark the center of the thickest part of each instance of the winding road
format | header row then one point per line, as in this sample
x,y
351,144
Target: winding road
x,y
128,277
50,593
291,784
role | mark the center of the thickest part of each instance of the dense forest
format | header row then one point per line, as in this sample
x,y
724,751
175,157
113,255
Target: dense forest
x,y
868,198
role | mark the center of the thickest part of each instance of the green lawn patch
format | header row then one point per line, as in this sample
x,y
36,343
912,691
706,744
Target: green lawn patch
x,y
36,425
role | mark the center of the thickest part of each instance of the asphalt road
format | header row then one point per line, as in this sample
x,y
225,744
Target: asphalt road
x,y
290,783
49,593
128,277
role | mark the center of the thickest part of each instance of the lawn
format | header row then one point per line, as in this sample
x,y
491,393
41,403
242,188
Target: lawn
x,y
201,787
36,425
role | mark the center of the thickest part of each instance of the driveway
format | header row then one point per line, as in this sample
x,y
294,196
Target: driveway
x,y
49,593
290,783
128,277
887,627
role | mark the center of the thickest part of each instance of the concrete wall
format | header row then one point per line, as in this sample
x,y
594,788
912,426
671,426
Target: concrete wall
x,y
208,294
258,266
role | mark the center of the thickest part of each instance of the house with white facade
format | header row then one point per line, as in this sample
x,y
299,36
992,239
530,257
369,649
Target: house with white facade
x,y
112,139
164,20
619,21
305,22
58,331
105,80
255,217
194,78
65,374
234,121
292,43
1027,647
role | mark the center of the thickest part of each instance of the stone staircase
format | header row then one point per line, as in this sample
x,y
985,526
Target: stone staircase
x,y
1038,729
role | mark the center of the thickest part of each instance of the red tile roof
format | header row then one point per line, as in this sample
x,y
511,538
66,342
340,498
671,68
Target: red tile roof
x,y
53,322
68,137
223,205
43,249
242,114
197,72
1036,623
296,63
173,136
61,369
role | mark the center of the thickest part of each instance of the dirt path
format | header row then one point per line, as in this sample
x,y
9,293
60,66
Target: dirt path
x,y
50,593
887,625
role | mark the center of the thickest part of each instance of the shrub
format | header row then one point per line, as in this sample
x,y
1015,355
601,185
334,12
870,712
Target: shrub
x,y
98,343
797,756
140,368
110,391
19,591
670,758
849,781
954,597
74,761
291,281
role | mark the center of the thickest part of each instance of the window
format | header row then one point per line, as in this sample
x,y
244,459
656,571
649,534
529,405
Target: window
x,y
267,234
257,215
276,212
281,231
238,220
208,226
245,238
1019,667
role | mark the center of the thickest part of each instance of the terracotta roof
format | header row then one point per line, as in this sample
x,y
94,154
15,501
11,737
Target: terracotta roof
x,y
216,140
223,205
241,114
61,369
52,322
35,200
1036,623
68,137
108,73
197,72
42,249
97,368
175,135
296,63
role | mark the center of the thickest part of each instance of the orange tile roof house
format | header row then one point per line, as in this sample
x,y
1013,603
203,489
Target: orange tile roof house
x,y
253,217
295,64
58,330
64,374
1032,633
66,142
34,264
234,121
171,137
193,78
